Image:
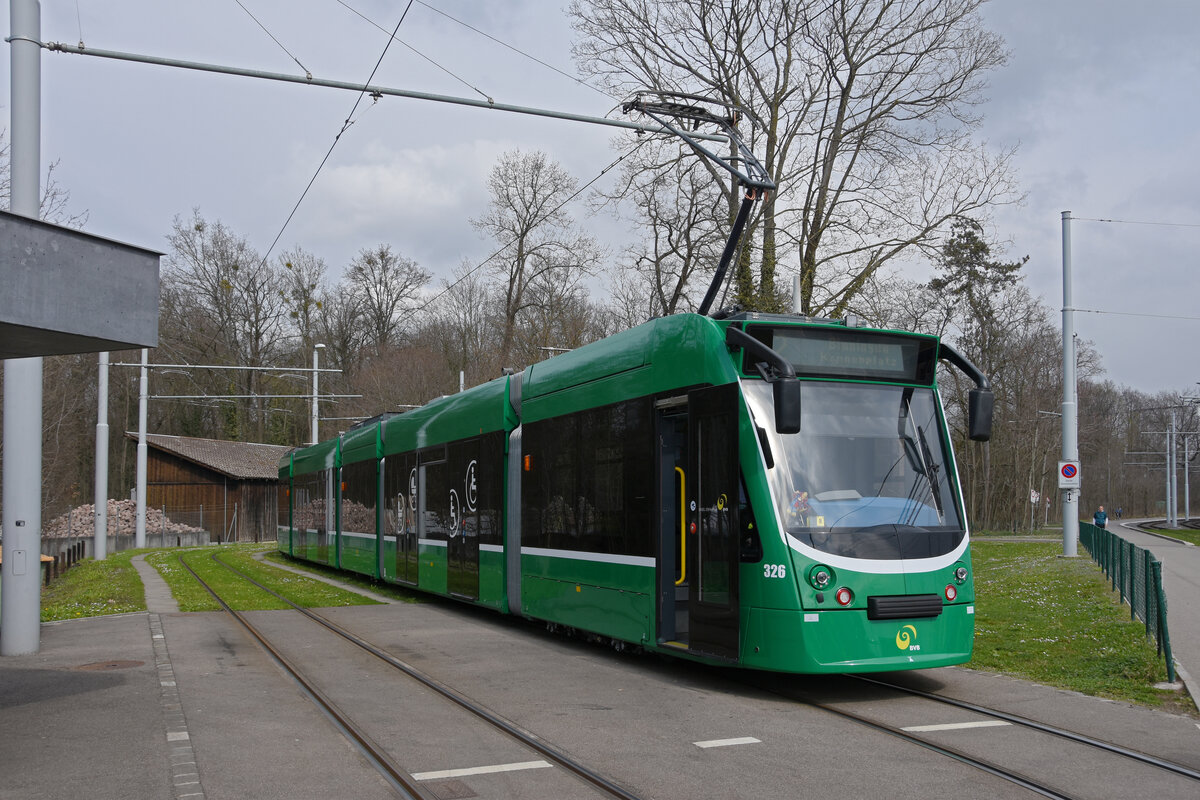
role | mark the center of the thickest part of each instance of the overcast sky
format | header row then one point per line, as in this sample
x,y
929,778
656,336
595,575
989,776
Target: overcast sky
x,y
1100,97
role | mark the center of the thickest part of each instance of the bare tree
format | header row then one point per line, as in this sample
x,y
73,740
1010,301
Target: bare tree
x,y
864,111
55,199
303,275
538,238
385,285
465,323
680,212
231,307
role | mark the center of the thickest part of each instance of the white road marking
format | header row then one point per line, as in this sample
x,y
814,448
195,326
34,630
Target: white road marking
x,y
458,773
727,742
954,726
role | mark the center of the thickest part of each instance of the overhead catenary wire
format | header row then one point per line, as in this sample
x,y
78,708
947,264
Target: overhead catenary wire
x,y
1135,314
345,126
516,50
307,71
443,68
1138,222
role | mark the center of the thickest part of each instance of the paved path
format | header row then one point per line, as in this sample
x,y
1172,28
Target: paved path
x,y
159,599
1181,580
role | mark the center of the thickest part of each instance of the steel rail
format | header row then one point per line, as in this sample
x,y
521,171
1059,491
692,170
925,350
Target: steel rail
x,y
391,772
983,765
1078,738
528,739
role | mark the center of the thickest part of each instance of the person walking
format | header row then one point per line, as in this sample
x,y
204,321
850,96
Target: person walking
x,y
1100,519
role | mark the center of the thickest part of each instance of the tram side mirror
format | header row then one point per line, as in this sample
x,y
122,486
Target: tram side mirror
x,y
979,414
787,405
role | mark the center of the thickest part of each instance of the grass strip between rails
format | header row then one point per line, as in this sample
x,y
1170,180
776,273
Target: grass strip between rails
x,y
1055,621
95,588
239,594
391,591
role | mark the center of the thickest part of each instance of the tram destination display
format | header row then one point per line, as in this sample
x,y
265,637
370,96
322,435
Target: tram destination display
x,y
838,353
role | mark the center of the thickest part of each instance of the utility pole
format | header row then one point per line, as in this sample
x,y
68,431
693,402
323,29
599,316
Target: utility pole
x,y
1070,407
20,585
316,420
100,495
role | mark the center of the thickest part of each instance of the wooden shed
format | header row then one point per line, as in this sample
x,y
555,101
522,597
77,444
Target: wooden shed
x,y
228,488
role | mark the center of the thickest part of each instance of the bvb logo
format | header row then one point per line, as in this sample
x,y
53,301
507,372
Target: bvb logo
x,y
906,636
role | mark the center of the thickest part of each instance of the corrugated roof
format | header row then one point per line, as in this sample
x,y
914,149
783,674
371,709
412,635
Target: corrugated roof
x,y
247,460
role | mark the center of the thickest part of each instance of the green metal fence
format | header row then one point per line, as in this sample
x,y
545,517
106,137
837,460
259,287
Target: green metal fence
x,y
1137,574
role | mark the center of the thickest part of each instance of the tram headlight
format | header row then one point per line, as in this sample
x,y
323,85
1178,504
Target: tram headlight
x,y
820,577
960,574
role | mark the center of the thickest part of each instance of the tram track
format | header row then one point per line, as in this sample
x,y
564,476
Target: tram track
x,y
984,765
1025,722
1026,779
399,779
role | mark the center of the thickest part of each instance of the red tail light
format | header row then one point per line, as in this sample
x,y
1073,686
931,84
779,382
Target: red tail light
x,y
951,593
844,596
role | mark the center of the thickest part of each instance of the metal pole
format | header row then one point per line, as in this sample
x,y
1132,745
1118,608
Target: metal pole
x,y
1187,491
1070,421
315,419
1172,477
100,496
796,295
20,584
309,80
139,531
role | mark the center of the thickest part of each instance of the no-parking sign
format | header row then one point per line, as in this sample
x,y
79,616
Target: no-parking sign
x,y
1068,475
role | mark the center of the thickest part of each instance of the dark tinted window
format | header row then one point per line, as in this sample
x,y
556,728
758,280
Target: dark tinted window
x,y
360,488
588,480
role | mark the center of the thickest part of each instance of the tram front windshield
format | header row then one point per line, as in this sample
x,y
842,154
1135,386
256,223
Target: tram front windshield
x,y
867,476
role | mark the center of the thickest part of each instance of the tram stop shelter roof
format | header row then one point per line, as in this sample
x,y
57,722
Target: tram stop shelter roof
x,y
66,291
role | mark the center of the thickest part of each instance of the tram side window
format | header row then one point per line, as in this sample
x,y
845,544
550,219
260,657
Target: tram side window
x,y
589,480
358,498
400,495
437,482
462,501
548,483
487,478
309,505
283,509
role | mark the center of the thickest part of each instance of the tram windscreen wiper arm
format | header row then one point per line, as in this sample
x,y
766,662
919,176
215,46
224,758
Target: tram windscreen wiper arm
x,y
930,470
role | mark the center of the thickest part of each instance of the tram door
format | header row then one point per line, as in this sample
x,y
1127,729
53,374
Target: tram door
x,y
698,502
673,589
400,519
712,510
462,579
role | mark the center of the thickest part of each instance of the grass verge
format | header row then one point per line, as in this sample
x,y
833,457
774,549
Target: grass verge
x,y
94,588
241,595
1055,621
1183,534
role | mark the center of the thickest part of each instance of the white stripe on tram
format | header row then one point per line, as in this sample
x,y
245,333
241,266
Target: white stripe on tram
x,y
579,555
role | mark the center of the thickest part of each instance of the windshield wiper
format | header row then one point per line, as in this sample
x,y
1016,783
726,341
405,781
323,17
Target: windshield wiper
x,y
931,470
926,467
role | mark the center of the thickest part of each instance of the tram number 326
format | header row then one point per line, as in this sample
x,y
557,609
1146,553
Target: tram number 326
x,y
774,570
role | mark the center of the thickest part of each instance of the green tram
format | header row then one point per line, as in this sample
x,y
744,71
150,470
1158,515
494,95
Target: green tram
x,y
767,491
